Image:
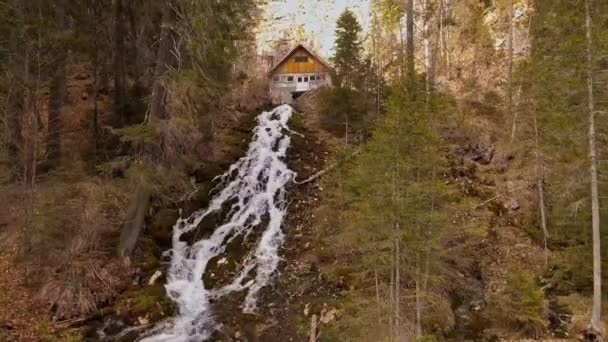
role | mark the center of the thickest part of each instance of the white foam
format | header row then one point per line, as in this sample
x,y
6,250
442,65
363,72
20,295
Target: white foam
x,y
255,184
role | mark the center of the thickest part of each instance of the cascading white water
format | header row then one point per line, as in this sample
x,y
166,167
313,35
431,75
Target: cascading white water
x,y
254,191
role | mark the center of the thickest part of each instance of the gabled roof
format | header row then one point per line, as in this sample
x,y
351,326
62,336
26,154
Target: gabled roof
x,y
309,50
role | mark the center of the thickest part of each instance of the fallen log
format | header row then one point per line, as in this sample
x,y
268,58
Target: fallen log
x,y
134,222
325,170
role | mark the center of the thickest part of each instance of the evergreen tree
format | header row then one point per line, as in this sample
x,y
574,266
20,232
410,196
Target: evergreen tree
x,y
347,55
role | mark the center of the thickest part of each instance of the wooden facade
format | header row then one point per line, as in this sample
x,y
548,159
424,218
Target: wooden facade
x,y
298,71
295,63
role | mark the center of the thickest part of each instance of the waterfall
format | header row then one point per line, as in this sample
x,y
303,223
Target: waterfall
x,y
252,197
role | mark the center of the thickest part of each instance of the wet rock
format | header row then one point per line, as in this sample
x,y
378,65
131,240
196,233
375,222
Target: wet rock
x,y
207,172
112,326
511,204
128,336
162,227
479,154
137,277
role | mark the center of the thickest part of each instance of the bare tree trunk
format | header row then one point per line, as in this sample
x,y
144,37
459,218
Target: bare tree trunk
x,y
540,179
441,34
158,108
397,263
427,51
135,221
57,93
137,61
510,74
119,62
14,134
595,323
313,335
391,318
418,300
16,102
378,296
448,58
397,286
376,69
346,128
411,68
401,52
95,130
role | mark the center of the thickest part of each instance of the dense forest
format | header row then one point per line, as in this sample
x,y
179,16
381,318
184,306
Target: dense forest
x,y
447,185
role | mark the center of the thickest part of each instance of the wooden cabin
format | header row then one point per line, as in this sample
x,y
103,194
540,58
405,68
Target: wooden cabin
x,y
300,70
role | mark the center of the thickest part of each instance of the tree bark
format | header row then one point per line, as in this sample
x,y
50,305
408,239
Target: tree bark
x,y
510,74
411,68
418,300
134,222
428,68
16,101
540,182
313,335
391,295
95,130
14,134
57,93
397,288
158,101
377,287
119,63
595,323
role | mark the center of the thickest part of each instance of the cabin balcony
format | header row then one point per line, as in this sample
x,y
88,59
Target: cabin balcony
x,y
284,87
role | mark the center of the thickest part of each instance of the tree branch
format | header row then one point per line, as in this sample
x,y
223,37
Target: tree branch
x,y
325,170
500,195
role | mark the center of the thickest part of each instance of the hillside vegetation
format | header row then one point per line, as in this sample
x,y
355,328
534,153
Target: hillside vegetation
x,y
450,184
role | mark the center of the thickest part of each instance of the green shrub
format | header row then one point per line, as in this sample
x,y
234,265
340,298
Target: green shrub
x,y
519,307
343,108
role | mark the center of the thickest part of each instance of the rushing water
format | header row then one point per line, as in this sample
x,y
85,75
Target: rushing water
x,y
253,193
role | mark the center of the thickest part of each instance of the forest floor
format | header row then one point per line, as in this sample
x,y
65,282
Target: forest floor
x,y
301,294
286,306
76,213
503,209
304,298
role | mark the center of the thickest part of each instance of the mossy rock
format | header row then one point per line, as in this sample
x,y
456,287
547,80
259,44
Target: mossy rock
x,y
204,229
207,172
144,303
202,197
151,302
162,226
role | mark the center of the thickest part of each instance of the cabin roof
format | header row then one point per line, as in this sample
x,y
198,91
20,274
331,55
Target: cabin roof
x,y
287,55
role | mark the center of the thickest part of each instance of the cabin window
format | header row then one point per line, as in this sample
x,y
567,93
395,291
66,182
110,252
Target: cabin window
x,y
283,78
312,78
306,79
301,59
276,78
289,78
300,79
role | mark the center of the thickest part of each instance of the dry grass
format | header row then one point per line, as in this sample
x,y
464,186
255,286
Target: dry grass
x,y
65,232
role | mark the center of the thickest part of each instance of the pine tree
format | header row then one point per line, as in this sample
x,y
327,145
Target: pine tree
x,y
347,54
